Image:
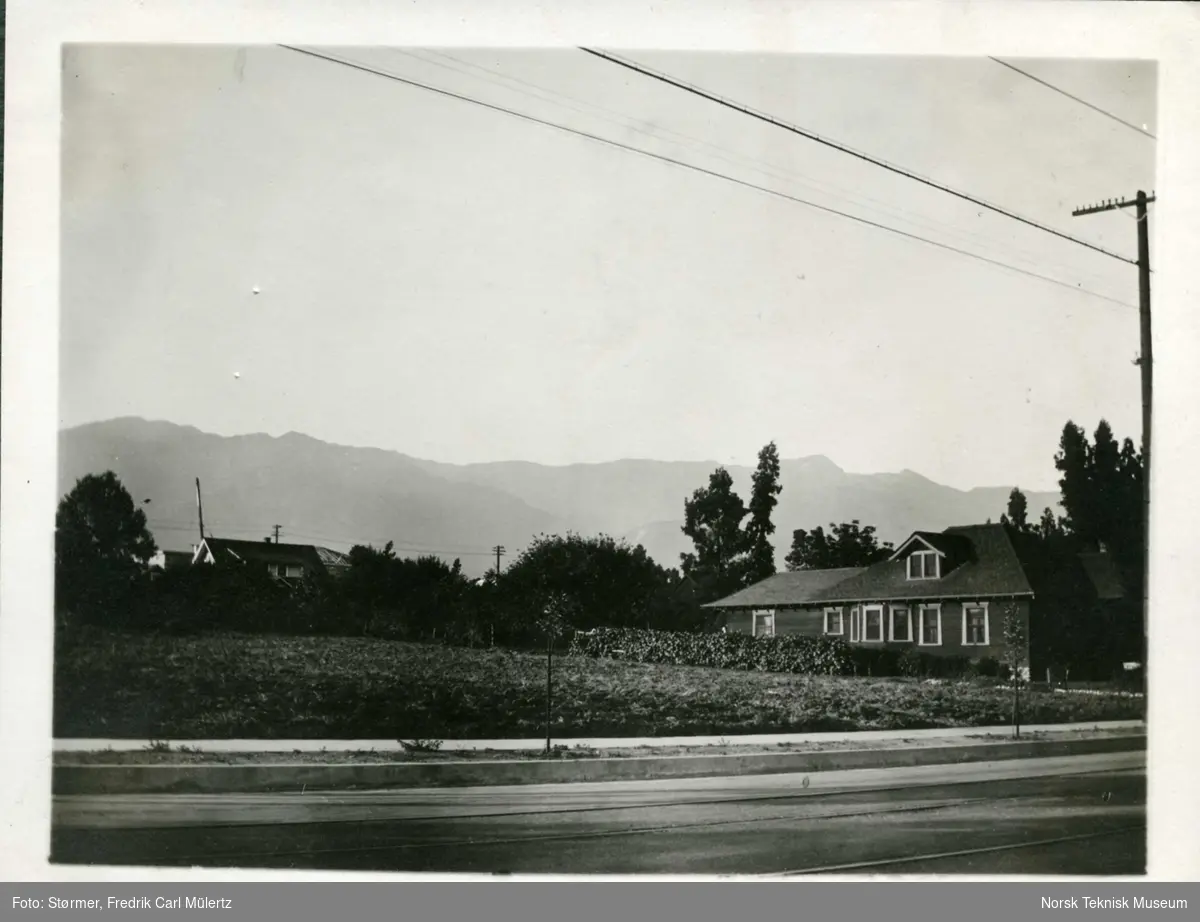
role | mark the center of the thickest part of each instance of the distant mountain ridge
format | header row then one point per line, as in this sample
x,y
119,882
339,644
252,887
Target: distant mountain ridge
x,y
338,496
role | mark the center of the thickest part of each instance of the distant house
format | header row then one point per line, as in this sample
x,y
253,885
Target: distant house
x,y
283,561
944,593
171,560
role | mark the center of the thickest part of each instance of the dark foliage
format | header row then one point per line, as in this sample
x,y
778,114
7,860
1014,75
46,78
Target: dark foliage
x,y
795,654
101,547
847,545
1101,485
103,579
760,560
713,520
789,653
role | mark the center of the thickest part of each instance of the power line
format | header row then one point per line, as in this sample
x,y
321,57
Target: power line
x,y
713,173
734,158
812,136
1083,102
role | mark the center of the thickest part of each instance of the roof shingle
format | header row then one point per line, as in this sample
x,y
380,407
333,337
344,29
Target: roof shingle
x,y
796,587
315,558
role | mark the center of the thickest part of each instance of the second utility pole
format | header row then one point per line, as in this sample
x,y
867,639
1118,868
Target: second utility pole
x,y
1146,364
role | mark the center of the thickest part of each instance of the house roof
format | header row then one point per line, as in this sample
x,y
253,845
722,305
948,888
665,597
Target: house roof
x,y
945,543
795,587
307,555
332,558
986,566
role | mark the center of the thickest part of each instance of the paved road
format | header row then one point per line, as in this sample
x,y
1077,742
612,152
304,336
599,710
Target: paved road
x,y
1079,815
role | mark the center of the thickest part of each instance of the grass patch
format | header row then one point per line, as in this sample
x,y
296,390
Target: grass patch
x,y
222,686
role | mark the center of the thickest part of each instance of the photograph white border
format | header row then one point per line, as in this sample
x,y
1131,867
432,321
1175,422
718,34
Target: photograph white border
x,y
1167,32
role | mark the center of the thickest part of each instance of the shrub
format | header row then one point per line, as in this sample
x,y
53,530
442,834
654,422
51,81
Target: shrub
x,y
986,666
950,667
872,661
912,663
789,653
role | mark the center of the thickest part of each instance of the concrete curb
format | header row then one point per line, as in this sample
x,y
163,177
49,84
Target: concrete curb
x,y
525,745
244,779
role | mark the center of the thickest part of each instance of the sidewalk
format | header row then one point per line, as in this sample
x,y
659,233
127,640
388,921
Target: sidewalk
x,y
521,745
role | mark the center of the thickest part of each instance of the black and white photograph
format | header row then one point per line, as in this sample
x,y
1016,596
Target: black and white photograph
x,y
592,461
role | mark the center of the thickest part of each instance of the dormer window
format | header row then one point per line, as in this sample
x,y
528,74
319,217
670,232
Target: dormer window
x,y
924,565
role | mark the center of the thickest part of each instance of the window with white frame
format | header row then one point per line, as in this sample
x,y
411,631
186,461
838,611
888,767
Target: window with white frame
x,y
763,624
833,621
931,626
900,624
854,625
975,631
923,565
872,624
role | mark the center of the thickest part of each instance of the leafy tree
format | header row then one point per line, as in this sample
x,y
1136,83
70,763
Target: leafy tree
x,y
1101,486
1050,527
101,545
421,599
713,520
1018,511
1016,647
761,553
849,544
98,521
1072,462
595,582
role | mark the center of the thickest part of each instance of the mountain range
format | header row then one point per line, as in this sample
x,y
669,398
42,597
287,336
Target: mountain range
x,y
337,496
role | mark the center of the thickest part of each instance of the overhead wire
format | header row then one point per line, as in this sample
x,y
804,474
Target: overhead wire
x,y
1083,102
734,158
1078,288
813,136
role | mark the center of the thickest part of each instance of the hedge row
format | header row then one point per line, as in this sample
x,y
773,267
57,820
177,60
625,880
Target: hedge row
x,y
789,653
795,654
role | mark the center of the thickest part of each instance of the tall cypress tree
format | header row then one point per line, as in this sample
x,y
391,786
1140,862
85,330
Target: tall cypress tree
x,y
760,562
1073,462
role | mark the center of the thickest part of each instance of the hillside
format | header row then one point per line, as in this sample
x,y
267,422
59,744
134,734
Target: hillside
x,y
338,496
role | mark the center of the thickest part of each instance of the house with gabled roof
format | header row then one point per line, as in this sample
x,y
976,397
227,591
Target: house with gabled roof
x,y
944,593
282,561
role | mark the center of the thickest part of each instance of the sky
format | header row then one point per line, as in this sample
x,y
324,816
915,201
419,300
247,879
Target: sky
x,y
258,240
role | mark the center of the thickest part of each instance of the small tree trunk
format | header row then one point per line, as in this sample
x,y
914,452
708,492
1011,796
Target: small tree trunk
x,y
1016,702
549,660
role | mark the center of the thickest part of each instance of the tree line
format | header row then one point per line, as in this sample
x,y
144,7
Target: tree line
x,y
1100,482
103,545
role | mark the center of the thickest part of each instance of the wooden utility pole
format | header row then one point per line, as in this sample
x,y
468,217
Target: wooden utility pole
x,y
498,549
1145,362
200,510
276,529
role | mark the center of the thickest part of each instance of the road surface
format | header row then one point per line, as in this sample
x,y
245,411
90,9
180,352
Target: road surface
x,y
1078,815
